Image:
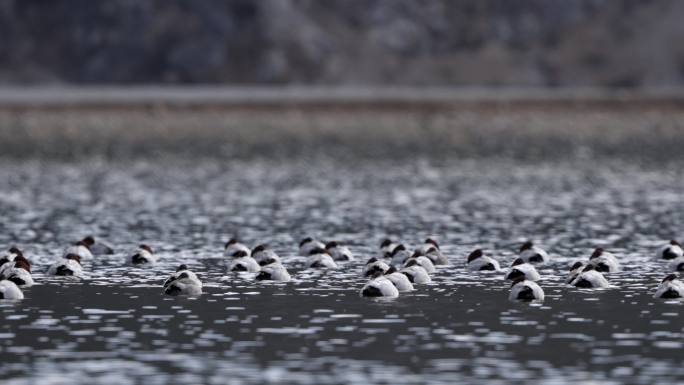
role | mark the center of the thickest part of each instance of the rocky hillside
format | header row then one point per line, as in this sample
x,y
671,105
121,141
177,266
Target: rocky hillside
x,y
616,43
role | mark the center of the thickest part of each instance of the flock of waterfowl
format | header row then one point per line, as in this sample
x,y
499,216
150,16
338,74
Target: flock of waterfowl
x,y
396,269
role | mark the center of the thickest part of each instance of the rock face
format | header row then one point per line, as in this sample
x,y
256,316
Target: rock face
x,y
626,43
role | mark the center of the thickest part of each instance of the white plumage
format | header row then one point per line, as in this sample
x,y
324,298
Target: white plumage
x,y
379,287
307,244
670,287
477,261
400,281
589,278
677,264
9,290
233,246
525,290
521,269
70,266
265,256
672,250
273,272
80,248
339,252
532,254
416,274
400,255
604,261
244,263
421,261
183,282
320,259
143,255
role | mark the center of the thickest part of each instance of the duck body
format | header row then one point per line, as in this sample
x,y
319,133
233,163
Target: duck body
x,y
436,256
265,256
677,264
399,255
183,283
244,263
386,248
399,280
273,272
670,251
477,261
374,265
416,274
143,255
80,248
68,266
233,246
532,254
519,269
10,291
589,278
525,290
575,270
604,261
670,287
339,252
422,261
320,259
307,244
379,287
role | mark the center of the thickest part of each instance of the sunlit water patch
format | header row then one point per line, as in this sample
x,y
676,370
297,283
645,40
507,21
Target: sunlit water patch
x,y
115,326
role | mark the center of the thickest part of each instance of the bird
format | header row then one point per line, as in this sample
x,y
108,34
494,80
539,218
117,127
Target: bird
x,y
9,256
374,265
525,290
143,255
17,271
339,252
264,256
320,259
604,261
386,248
307,244
183,282
677,264
233,246
400,281
399,255
416,274
96,247
672,250
69,265
379,287
575,270
427,245
589,278
243,262
9,290
273,272
436,256
477,261
533,254
79,248
670,287
520,268
422,261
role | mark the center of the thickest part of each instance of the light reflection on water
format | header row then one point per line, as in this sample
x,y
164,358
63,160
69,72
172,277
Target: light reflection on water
x,y
114,326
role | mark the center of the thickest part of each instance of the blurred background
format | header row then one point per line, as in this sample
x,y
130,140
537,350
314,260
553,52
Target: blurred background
x,y
462,77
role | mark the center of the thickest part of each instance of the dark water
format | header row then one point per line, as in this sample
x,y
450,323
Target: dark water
x,y
114,325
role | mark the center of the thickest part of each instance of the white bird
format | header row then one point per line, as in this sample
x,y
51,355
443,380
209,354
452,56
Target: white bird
x,y
79,248
379,287
525,290
373,265
143,255
183,282
96,247
233,246
9,290
273,272
244,262
589,278
436,256
670,287
265,256
604,261
522,269
427,245
416,274
386,248
70,265
399,255
422,261
307,244
575,270
677,264
17,271
320,259
477,261
12,253
533,254
400,281
672,250
339,252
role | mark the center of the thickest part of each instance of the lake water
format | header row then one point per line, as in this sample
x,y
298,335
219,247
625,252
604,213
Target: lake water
x,y
115,326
